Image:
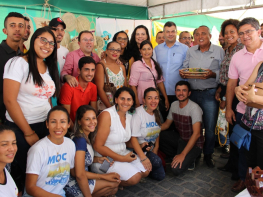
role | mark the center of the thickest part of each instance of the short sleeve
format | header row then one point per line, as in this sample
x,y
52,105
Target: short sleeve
x,y
80,143
233,73
170,116
66,94
196,113
94,93
34,160
136,125
15,69
135,74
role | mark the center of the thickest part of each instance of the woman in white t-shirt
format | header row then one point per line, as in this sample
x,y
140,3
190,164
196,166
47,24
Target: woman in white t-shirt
x,y
114,131
8,150
145,128
51,160
29,82
86,182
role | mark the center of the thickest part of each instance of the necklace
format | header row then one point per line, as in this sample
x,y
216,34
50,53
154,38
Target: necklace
x,y
57,159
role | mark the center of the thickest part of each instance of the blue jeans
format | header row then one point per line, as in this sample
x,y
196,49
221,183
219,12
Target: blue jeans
x,y
242,162
157,172
206,100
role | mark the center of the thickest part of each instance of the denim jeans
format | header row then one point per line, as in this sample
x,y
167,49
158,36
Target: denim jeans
x,y
206,100
242,162
189,158
157,172
18,166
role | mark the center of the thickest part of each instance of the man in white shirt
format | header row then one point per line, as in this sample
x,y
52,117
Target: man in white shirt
x,y
62,52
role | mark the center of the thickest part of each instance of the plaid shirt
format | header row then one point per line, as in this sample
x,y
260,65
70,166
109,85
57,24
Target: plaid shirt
x,y
184,126
223,74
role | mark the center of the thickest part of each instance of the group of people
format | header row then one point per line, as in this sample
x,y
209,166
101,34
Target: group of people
x,y
151,113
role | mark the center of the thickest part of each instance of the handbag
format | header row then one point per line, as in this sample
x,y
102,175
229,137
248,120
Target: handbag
x,y
161,104
222,126
109,89
242,137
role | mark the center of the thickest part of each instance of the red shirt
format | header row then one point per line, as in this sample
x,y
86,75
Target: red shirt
x,y
76,96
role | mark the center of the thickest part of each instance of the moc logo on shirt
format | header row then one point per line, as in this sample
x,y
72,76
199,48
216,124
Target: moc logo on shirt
x,y
56,158
151,124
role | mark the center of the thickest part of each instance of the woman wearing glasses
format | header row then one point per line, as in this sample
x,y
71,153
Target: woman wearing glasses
x,y
115,72
29,83
122,38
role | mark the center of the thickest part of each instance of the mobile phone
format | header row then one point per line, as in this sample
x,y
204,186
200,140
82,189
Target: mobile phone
x,y
150,144
132,155
105,165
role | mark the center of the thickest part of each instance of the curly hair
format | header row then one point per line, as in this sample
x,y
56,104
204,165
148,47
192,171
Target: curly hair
x,y
233,22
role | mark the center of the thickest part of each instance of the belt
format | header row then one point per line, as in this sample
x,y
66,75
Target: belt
x,y
203,89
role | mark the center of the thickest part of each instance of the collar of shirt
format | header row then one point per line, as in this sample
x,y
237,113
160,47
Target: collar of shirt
x,y
81,54
80,88
176,43
8,48
211,48
244,50
152,63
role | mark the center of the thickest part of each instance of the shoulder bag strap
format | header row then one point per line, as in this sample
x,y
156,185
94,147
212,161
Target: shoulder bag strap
x,y
153,77
260,69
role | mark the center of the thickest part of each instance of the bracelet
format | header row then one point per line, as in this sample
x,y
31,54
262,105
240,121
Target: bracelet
x,y
30,134
144,159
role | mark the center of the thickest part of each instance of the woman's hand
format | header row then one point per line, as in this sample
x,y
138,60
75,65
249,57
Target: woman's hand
x,y
31,140
147,164
166,104
145,144
217,95
251,95
112,177
129,157
101,160
240,92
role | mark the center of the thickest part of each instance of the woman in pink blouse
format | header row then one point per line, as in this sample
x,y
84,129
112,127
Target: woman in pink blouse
x,y
146,73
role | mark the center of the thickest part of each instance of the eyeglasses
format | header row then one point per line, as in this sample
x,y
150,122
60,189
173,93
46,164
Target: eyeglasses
x,y
186,38
248,32
114,50
45,41
120,39
87,40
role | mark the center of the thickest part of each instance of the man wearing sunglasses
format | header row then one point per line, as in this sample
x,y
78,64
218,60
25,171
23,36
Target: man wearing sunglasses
x,y
14,28
70,69
241,66
62,52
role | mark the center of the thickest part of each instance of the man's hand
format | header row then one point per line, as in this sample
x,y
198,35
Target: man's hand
x,y
230,115
178,159
182,74
209,74
72,81
217,95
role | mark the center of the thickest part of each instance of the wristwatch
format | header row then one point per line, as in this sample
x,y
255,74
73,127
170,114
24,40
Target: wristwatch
x,y
223,98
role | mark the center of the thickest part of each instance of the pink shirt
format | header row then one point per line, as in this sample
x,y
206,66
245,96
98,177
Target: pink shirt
x,y
142,77
72,62
241,66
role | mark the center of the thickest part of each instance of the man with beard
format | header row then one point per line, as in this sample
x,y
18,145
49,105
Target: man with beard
x,y
62,52
187,116
185,38
22,47
160,37
85,93
14,28
70,69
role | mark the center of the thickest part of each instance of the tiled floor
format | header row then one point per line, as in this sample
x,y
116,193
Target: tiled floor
x,y
200,182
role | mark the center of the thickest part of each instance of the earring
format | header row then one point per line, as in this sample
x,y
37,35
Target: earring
x,y
117,107
80,130
145,107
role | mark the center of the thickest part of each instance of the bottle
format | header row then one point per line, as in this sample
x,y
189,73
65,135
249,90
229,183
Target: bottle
x,y
110,97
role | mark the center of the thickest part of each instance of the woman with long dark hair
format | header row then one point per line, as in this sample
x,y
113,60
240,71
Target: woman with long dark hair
x,y
122,38
145,128
114,132
29,82
139,34
146,73
87,182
